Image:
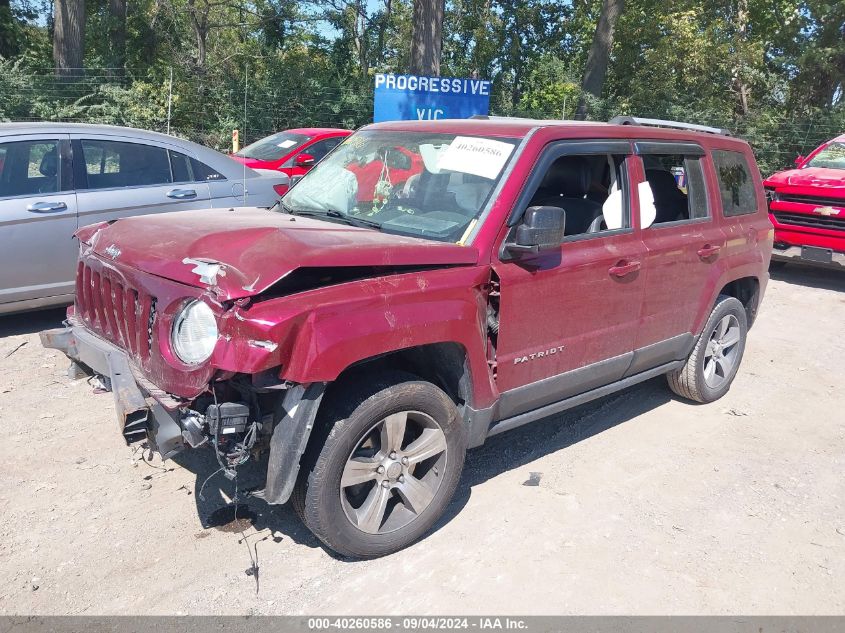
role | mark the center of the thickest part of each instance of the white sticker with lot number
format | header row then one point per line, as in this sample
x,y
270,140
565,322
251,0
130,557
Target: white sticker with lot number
x,y
286,144
478,156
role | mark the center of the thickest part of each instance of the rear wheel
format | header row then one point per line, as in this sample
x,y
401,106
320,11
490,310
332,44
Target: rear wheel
x,y
711,366
383,467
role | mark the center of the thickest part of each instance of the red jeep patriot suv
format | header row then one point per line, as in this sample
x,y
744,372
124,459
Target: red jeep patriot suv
x,y
367,339
807,208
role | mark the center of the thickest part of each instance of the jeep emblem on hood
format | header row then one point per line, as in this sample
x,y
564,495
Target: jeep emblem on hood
x,y
113,251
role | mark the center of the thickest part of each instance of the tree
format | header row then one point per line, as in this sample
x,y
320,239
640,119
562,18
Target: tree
x,y
68,37
599,56
427,37
117,34
8,28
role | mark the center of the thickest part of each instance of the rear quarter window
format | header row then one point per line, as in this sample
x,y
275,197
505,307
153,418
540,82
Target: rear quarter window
x,y
736,184
204,173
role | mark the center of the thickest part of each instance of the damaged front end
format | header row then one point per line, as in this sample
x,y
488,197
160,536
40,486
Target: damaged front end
x,y
121,330
236,418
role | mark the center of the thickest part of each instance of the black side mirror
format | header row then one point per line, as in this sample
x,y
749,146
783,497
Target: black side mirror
x,y
541,229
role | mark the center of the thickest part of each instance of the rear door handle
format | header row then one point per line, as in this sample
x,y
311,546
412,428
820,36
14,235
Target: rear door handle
x,y
623,268
181,194
46,207
708,250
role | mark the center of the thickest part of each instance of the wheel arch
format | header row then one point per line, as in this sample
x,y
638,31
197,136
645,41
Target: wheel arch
x,y
747,291
445,365
743,282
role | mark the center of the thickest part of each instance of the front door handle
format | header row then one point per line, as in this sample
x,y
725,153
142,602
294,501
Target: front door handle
x,y
623,268
46,207
708,250
181,194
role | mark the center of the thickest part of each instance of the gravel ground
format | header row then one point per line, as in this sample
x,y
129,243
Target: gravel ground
x,y
645,505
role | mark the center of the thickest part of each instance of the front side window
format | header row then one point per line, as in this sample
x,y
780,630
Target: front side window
x,y
274,147
673,190
29,168
831,157
736,185
412,183
118,164
590,188
319,149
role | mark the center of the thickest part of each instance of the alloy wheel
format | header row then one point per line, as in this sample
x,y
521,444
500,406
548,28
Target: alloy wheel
x,y
394,472
720,355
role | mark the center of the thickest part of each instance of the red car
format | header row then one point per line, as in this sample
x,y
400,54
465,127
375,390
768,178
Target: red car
x,y
807,207
293,152
364,340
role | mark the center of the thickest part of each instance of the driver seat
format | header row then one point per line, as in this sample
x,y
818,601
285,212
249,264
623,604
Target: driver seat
x,y
565,185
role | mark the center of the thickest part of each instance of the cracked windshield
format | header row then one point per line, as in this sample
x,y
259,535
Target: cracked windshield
x,y
425,185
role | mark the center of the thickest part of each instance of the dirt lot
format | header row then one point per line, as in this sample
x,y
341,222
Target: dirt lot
x,y
646,504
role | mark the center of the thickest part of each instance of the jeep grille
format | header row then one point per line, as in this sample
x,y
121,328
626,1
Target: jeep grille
x,y
121,314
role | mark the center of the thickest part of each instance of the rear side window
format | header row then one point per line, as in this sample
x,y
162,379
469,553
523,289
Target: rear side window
x,y
674,190
736,185
29,168
180,165
118,164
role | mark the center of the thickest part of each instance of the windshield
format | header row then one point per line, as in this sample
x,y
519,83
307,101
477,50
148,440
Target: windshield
x,y
412,183
274,147
832,157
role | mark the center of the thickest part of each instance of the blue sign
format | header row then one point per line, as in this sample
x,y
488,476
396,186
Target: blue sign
x,y
412,98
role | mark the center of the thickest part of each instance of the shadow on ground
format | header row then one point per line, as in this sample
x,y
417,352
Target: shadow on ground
x,y
214,493
31,322
810,276
502,453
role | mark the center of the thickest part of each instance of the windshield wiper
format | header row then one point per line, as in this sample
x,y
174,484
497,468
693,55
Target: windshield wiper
x,y
335,214
283,206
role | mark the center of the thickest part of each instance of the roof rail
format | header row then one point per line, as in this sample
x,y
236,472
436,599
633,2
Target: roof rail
x,y
631,120
496,117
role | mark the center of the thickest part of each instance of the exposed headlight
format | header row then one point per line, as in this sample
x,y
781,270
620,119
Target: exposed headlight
x,y
194,333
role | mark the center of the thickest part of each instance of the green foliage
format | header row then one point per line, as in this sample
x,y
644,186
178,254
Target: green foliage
x,y
550,90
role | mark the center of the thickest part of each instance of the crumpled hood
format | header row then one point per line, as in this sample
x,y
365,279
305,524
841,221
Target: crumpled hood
x,y
816,177
241,252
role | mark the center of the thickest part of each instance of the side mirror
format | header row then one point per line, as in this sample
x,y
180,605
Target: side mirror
x,y
541,230
798,161
304,160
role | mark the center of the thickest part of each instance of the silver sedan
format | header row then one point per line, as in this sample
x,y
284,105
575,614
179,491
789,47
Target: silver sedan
x,y
57,177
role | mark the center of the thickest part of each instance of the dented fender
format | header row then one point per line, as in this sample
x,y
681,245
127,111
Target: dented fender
x,y
313,336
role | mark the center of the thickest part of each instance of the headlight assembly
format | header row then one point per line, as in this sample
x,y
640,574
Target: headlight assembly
x,y
194,333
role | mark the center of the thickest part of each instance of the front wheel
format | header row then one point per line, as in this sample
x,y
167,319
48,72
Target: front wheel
x,y
711,366
384,465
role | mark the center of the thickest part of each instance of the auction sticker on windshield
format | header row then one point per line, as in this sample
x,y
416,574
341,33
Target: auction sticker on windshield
x,y
477,156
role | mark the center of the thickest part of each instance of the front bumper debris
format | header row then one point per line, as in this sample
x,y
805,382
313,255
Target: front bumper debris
x,y
169,424
139,415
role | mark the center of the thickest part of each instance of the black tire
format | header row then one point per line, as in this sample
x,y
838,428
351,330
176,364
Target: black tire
x,y
350,417
694,380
